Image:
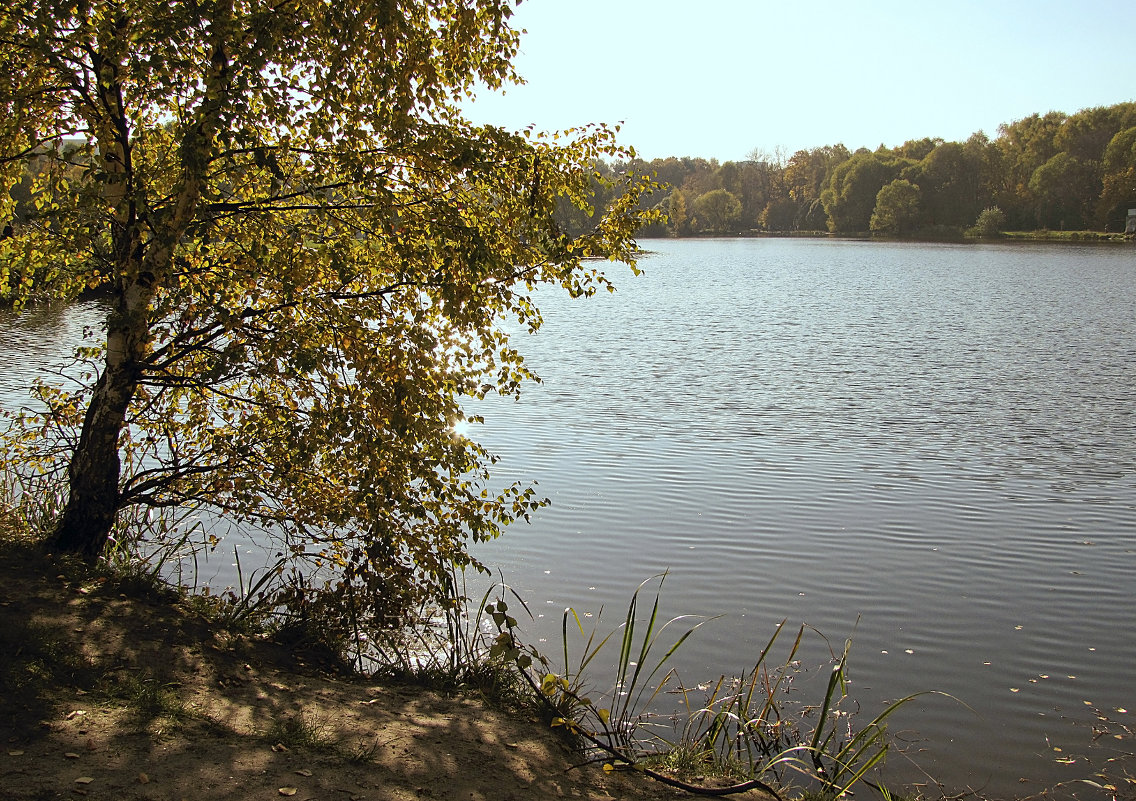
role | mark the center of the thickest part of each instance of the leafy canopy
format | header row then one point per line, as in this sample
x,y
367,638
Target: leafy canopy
x,y
308,256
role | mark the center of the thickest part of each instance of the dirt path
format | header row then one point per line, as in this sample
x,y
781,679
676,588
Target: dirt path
x,y
108,697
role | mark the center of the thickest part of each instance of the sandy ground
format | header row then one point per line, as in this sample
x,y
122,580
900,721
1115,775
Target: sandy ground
x,y
106,696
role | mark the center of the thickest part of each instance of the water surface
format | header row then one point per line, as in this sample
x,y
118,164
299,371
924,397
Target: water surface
x,y
929,448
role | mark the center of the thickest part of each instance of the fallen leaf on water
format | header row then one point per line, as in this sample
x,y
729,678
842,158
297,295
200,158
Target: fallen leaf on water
x,y
305,772
287,791
1014,690
1121,710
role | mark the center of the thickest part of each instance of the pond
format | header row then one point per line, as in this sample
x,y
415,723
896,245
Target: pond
x,y
929,449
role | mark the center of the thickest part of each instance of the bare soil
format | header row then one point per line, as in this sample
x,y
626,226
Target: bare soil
x,y
108,695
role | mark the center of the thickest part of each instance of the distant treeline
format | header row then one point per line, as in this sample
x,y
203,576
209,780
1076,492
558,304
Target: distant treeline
x,y
1054,171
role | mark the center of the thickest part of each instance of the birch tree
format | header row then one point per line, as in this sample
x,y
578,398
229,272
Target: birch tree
x,y
308,254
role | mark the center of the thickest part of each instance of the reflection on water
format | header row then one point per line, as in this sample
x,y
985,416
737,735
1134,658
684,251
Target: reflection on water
x,y
40,343
929,448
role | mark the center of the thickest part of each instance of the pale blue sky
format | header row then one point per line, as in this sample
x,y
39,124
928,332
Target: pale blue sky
x,y
719,78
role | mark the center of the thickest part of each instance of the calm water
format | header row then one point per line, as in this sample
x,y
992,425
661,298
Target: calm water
x,y
930,449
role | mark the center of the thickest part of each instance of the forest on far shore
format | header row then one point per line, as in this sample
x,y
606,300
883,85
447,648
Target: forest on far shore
x,y
1045,172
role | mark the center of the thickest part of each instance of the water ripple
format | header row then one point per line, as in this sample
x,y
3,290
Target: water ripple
x,y
933,445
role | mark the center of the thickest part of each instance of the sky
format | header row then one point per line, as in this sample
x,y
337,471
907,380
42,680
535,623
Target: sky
x,y
724,78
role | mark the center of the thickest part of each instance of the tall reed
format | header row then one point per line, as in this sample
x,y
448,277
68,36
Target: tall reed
x,y
745,729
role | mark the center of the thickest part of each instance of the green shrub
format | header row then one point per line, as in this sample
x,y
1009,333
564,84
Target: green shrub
x,y
990,223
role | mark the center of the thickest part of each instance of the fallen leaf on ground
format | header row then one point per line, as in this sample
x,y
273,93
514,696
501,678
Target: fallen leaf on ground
x,y
305,772
84,780
143,778
71,755
287,791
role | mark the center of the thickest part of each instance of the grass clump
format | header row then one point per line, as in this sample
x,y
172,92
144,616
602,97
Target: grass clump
x,y
34,658
150,700
362,752
300,730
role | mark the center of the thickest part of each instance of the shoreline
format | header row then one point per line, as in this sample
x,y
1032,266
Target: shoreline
x,y
1009,237
109,693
